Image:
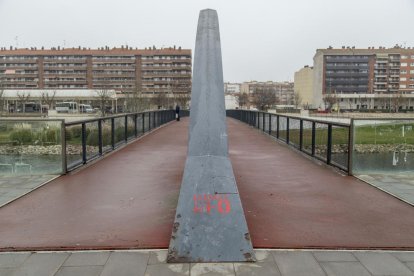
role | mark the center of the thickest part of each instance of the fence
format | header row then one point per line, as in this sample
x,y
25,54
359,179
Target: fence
x,y
42,146
99,136
330,142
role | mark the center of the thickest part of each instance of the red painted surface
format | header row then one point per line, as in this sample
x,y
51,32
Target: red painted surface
x,y
206,203
128,200
293,202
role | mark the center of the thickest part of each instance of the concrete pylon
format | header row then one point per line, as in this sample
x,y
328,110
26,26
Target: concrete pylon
x,y
209,225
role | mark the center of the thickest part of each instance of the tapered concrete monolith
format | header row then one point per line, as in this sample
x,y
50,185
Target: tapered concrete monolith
x,y
209,224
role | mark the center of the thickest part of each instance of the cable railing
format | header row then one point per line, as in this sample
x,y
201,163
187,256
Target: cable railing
x,y
330,142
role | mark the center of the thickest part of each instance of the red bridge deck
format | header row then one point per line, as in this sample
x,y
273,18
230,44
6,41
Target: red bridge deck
x,y
128,200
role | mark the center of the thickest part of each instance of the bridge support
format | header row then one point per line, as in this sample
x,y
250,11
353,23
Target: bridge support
x,y
209,224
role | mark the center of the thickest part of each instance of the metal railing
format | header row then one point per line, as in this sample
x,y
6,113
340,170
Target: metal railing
x,y
87,140
330,142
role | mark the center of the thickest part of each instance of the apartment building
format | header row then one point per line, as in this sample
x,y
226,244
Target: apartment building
x,y
303,86
232,88
373,78
284,90
124,69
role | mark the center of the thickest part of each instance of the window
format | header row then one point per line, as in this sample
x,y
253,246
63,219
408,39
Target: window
x,y
403,86
403,64
402,72
403,79
411,71
412,64
404,57
412,57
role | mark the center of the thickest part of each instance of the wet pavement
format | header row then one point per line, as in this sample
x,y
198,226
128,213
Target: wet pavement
x,y
128,200
291,201
125,200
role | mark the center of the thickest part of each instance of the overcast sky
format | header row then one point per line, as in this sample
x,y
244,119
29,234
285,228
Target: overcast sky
x,y
261,39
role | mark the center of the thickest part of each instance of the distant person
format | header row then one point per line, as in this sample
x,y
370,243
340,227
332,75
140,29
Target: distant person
x,y
177,112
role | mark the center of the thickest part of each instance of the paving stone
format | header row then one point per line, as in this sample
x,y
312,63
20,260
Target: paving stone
x,y
158,257
41,264
167,269
382,263
87,258
126,263
10,260
264,256
287,262
7,271
79,271
404,256
410,265
334,256
345,269
212,269
263,268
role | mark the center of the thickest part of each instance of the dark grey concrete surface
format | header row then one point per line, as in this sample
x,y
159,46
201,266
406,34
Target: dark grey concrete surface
x,y
209,225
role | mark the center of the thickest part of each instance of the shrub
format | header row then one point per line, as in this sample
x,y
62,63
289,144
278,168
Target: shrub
x,y
92,138
119,134
22,136
76,131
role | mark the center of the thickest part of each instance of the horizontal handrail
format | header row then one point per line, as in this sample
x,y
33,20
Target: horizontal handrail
x,y
95,141
318,143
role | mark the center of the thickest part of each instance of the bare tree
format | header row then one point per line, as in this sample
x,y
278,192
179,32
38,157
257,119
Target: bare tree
x,y
23,99
104,96
48,99
242,99
264,98
159,100
136,101
182,99
329,100
297,99
2,100
396,100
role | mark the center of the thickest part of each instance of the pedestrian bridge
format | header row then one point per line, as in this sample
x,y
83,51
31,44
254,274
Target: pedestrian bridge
x,y
128,199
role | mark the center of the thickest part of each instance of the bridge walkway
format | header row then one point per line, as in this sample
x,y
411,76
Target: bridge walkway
x,y
128,200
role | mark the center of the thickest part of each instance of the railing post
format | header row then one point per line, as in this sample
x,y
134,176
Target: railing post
x,y
277,126
287,130
100,136
313,137
113,133
350,146
126,129
257,119
143,122
329,145
263,121
84,143
149,121
136,125
63,151
270,124
300,134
